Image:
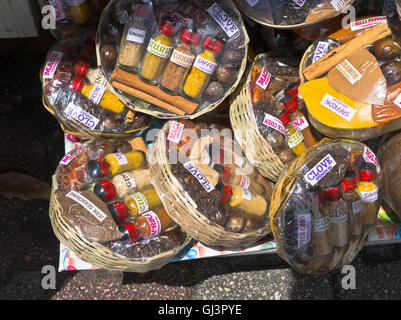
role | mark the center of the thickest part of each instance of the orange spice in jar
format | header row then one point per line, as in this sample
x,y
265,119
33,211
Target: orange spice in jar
x,y
181,60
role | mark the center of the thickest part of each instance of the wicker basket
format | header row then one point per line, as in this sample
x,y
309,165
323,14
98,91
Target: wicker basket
x,y
180,208
135,105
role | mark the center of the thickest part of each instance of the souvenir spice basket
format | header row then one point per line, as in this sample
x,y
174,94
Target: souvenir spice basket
x,y
288,14
357,81
76,236
76,92
267,94
320,214
166,84
201,214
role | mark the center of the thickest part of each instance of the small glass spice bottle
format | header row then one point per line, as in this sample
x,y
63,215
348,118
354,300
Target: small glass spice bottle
x,y
80,11
158,53
353,200
181,60
295,137
202,69
133,38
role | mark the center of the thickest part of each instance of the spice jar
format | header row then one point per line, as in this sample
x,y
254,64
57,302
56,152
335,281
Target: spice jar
x,y
133,38
353,201
338,213
202,69
181,60
369,193
80,11
158,52
243,200
116,163
295,137
146,226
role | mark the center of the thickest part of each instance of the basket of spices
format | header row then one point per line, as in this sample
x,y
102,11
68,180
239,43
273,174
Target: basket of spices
x,y
172,60
325,204
207,186
351,81
76,92
265,116
291,14
104,208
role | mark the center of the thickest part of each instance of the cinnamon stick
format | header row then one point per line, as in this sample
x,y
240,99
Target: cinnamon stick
x,y
133,81
148,98
335,56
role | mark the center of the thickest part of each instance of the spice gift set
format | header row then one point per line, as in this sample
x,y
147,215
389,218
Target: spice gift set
x,y
122,206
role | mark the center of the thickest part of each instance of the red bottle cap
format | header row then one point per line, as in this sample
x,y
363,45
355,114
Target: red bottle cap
x,y
140,11
350,181
132,231
98,168
81,68
332,194
213,45
284,117
293,91
119,211
226,175
77,84
190,37
315,193
226,195
290,104
166,27
105,190
367,172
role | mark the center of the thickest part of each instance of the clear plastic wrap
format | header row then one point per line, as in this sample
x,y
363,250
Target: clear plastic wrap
x,y
172,59
77,93
353,91
325,204
291,13
105,194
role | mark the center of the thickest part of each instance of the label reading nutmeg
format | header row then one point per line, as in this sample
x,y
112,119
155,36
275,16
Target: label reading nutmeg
x,y
349,71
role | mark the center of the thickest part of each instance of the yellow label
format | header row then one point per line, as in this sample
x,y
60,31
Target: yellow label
x,y
334,109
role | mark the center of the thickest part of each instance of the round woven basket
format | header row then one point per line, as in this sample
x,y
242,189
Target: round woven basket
x,y
254,145
180,206
135,105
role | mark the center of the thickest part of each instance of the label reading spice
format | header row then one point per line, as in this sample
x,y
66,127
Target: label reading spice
x,y
321,224
121,158
97,93
252,3
245,182
338,107
367,23
186,22
264,79
369,156
69,157
349,71
159,49
299,2
75,112
223,20
51,65
321,50
304,229
58,8
301,123
205,65
136,35
356,207
369,196
182,59
141,201
339,219
339,4
246,194
154,223
88,205
274,123
199,176
129,180
176,131
295,139
320,170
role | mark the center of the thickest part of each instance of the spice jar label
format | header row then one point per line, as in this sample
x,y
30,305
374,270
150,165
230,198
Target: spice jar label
x,y
369,196
246,194
338,107
136,35
199,176
369,156
274,123
51,65
75,112
356,207
88,205
295,139
205,65
321,224
97,93
320,170
141,202
69,157
264,79
100,78
175,132
301,123
223,20
185,22
154,223
367,23
245,182
304,229
321,50
129,180
339,4
59,9
339,219
121,158
252,3
299,2
349,71
159,49
182,59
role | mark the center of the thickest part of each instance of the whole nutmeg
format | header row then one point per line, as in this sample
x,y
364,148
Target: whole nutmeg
x,y
122,146
286,156
232,57
104,149
111,124
112,34
236,221
254,223
220,216
226,75
392,72
386,49
214,91
275,140
108,56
